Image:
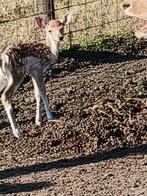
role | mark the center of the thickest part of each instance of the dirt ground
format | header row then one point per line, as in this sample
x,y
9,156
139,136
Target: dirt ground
x,y
98,146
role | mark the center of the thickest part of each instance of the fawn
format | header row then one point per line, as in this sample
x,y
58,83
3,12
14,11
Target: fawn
x,y
137,8
30,59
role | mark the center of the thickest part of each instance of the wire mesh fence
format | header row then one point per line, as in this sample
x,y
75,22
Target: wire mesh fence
x,y
95,18
17,20
91,18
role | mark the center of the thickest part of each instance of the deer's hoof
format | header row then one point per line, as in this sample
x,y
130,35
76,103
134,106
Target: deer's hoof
x,y
50,116
18,133
38,122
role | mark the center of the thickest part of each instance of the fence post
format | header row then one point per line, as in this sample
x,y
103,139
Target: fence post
x,y
51,9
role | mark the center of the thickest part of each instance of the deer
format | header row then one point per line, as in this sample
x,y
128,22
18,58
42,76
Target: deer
x,y
137,8
33,59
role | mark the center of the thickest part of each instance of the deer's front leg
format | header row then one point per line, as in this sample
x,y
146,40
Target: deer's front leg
x,y
40,91
38,117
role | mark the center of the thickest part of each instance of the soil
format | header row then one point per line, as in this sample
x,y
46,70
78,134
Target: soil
x,y
97,146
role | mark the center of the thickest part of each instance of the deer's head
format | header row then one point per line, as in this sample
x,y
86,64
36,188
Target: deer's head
x,y
54,28
137,8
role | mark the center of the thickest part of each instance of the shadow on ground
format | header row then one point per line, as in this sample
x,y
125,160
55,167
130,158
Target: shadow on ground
x,y
75,58
101,56
24,187
73,162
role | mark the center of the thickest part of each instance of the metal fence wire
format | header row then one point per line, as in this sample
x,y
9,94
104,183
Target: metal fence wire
x,y
17,20
91,18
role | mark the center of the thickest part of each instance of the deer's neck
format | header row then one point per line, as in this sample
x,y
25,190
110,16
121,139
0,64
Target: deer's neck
x,y
54,46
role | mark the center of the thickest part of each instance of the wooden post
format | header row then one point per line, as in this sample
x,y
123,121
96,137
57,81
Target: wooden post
x,y
51,9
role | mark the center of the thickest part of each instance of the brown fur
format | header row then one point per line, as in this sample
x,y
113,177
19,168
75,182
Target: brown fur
x,y
137,8
22,50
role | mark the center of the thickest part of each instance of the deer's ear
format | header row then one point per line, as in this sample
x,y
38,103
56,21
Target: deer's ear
x,y
40,22
5,58
66,19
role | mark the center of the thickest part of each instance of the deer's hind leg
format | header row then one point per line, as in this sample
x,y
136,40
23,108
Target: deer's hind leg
x,y
9,90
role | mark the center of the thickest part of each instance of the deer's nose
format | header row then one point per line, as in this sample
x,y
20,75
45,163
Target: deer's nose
x,y
126,5
61,38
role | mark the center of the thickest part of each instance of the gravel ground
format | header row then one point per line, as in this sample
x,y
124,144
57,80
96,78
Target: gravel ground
x,y
98,146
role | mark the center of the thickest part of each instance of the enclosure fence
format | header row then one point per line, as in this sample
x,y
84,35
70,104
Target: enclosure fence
x,y
91,18
17,20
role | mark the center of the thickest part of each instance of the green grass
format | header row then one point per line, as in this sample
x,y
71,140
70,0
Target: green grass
x,y
106,42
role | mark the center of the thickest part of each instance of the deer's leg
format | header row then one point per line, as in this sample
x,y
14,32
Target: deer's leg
x,y
40,91
38,98
6,97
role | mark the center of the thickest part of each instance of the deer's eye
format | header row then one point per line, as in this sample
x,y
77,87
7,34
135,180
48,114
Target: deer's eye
x,y
61,30
49,31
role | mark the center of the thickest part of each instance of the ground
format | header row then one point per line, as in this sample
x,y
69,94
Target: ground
x,y
98,146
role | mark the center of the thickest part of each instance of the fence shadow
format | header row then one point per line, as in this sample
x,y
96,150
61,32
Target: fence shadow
x,y
75,58
22,187
101,56
73,162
